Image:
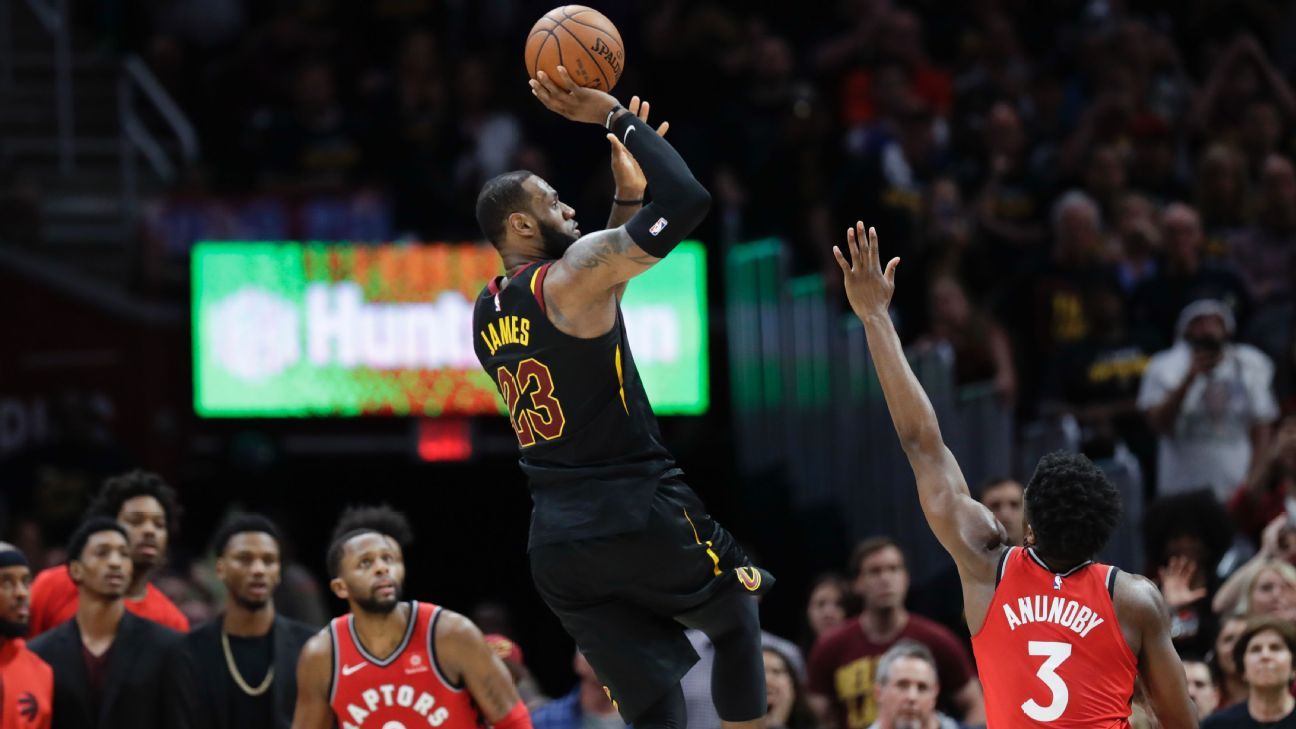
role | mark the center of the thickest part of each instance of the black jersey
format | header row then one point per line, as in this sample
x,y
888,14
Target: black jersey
x,y
588,439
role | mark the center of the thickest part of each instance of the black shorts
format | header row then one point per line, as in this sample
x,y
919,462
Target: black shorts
x,y
620,596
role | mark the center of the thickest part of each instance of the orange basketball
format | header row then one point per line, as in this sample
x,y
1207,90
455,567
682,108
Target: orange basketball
x,y
580,39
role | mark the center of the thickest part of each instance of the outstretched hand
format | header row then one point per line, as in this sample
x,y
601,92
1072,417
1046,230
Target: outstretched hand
x,y
565,97
627,175
868,287
1176,583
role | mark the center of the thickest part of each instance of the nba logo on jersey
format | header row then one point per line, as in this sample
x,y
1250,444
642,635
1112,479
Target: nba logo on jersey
x,y
1057,582
658,226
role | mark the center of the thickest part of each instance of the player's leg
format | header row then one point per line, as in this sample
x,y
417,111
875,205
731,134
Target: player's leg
x,y
732,623
640,656
695,572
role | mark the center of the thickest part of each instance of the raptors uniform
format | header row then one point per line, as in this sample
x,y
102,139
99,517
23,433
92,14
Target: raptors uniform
x,y
621,548
1051,652
405,690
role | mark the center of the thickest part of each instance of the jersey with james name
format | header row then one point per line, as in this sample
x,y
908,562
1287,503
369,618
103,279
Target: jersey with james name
x,y
1051,652
405,690
587,437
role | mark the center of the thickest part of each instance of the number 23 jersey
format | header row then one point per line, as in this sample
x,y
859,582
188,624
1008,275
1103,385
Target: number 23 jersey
x,y
1051,652
587,437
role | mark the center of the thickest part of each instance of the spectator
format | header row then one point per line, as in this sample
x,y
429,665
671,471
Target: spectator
x,y
1096,380
1263,252
1210,401
112,668
1272,482
247,656
1271,592
1264,650
1221,195
511,654
843,663
317,145
979,346
148,510
1010,204
788,707
1053,312
1203,685
1185,536
826,607
1139,240
698,701
1006,499
26,680
1183,278
1233,687
587,706
906,689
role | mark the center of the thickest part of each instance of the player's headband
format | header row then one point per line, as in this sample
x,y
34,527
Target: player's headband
x,y
12,558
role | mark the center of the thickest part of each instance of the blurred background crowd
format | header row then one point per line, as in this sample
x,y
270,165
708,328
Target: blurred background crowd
x,y
1095,202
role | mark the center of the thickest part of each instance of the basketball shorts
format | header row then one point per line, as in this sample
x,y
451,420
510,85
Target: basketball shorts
x,y
622,597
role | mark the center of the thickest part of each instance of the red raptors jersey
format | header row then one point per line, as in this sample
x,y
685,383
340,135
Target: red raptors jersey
x,y
403,691
1051,653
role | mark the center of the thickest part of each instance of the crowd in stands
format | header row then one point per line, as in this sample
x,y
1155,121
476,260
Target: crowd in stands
x,y
1096,205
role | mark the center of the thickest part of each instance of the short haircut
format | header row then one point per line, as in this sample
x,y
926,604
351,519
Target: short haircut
x,y
357,520
904,649
243,524
993,483
120,489
1071,507
868,548
90,527
1211,668
501,196
1255,627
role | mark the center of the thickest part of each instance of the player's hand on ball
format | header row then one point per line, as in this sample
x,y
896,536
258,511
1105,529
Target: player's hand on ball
x,y
868,287
564,97
629,179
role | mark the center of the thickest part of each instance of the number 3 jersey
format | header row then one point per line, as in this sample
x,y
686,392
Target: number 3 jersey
x,y
1051,652
587,436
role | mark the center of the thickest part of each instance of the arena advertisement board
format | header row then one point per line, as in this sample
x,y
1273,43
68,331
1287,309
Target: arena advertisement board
x,y
284,329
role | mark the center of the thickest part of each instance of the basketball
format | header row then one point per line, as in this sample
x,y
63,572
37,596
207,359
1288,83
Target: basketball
x,y
580,39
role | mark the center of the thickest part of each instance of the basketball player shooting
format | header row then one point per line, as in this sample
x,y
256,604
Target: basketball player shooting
x,y
390,663
621,549
1059,639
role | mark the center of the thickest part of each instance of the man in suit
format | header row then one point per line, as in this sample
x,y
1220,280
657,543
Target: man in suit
x,y
247,656
111,668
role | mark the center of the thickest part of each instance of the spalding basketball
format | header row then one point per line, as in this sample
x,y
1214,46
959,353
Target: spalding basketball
x,y
580,39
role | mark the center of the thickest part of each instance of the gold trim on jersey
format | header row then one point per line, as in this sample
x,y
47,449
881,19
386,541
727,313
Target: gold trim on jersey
x,y
715,558
621,380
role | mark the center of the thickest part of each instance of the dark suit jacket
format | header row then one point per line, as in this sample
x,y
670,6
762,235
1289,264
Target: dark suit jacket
x,y
207,655
147,685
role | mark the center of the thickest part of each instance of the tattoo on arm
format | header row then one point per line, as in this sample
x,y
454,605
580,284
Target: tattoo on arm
x,y
605,250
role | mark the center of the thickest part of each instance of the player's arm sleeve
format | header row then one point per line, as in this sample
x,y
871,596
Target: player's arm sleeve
x,y
679,201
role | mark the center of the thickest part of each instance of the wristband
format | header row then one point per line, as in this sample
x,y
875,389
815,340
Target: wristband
x,y
517,718
607,123
636,201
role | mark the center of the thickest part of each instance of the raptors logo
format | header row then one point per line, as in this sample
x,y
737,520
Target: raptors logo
x,y
27,706
750,577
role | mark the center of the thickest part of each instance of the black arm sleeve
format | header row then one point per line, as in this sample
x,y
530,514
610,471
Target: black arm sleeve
x,y
679,202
